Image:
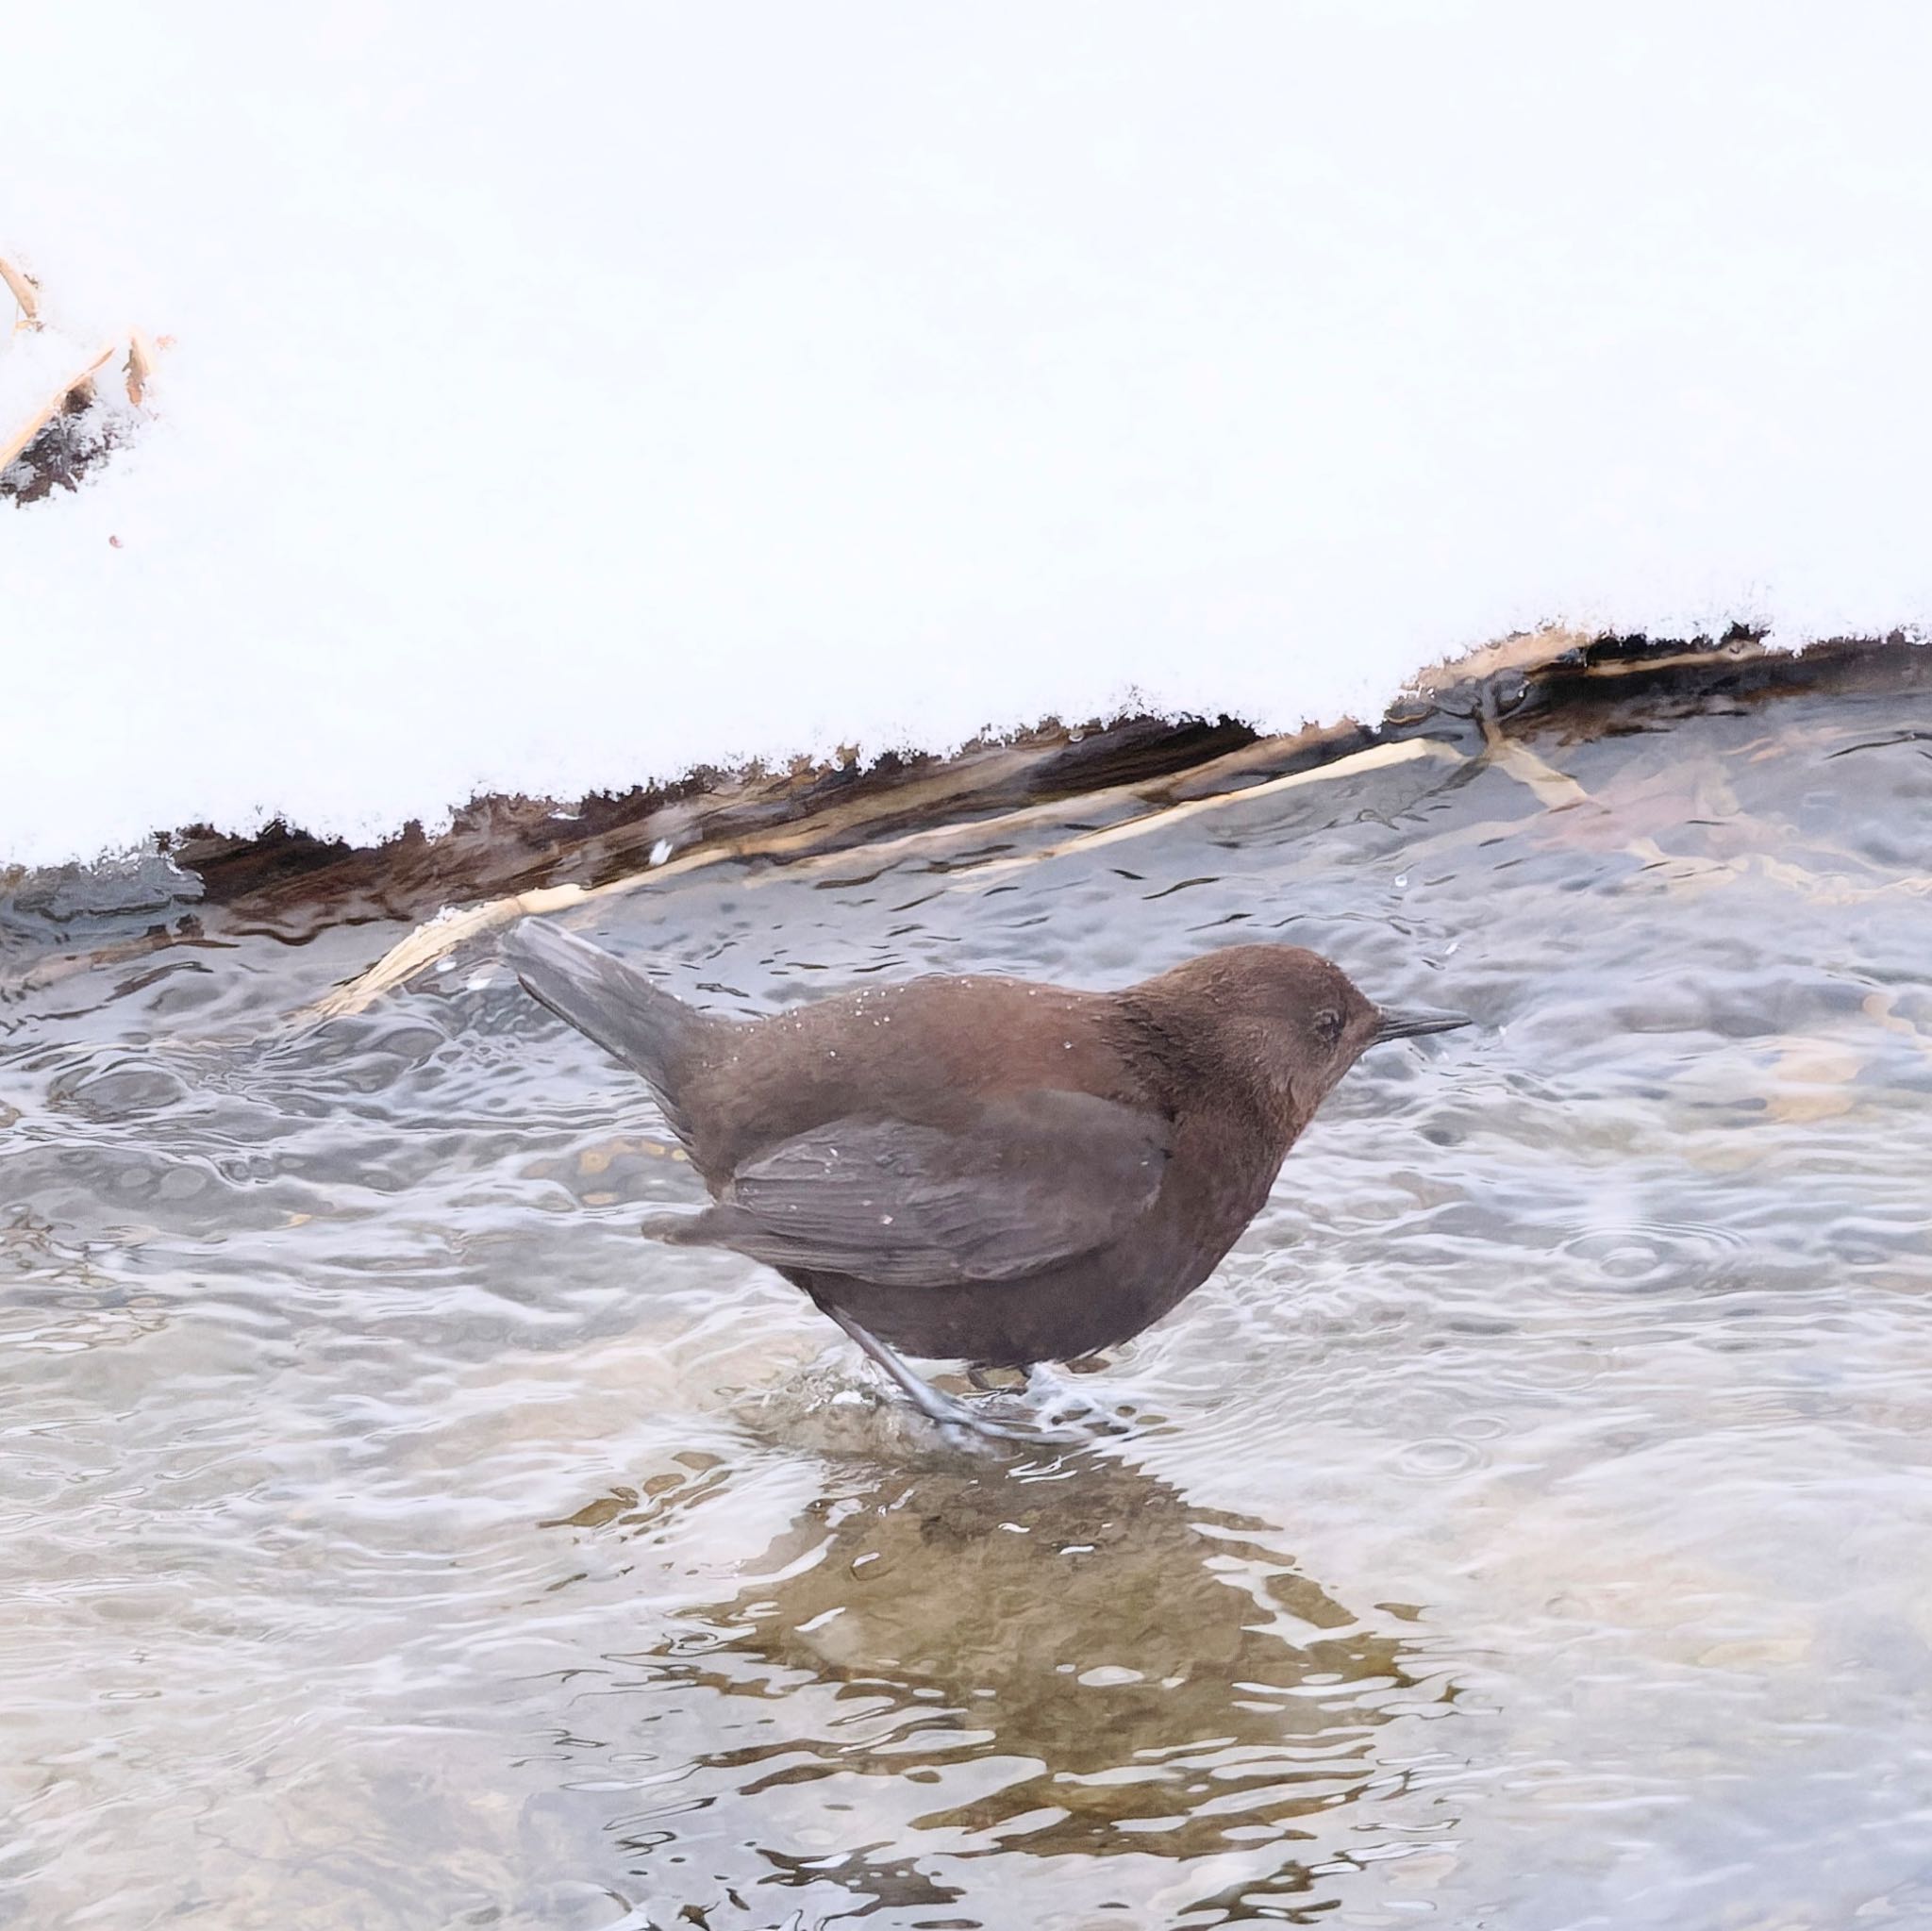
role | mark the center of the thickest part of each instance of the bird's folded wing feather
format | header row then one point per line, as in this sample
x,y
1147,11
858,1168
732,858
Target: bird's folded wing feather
x,y
1015,1185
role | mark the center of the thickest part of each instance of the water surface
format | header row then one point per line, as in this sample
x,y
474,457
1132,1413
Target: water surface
x,y
1527,1527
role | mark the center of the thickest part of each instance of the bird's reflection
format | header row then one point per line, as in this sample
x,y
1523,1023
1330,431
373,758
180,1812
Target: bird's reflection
x,y
1062,1657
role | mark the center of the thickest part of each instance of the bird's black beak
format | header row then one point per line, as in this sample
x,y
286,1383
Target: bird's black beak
x,y
1411,1026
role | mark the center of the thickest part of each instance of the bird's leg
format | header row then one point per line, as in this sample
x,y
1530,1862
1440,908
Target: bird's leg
x,y
930,1402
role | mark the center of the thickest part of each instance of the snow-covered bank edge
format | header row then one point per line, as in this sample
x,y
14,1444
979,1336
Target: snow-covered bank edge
x,y
504,856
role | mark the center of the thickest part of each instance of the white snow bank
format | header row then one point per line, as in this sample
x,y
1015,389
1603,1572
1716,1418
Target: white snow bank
x,y
560,399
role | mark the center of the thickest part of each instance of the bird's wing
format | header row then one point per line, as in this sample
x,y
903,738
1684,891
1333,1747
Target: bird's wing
x,y
1016,1185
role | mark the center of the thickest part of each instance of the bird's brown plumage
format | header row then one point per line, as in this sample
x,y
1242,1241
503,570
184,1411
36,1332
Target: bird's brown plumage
x,y
984,1168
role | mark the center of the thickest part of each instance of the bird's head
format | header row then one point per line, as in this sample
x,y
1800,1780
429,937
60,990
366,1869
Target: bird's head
x,y
1296,1018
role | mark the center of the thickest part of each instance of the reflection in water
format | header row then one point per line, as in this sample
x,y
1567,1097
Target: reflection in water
x,y
1054,1659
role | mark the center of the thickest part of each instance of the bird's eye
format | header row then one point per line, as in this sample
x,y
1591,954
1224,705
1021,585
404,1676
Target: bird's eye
x,y
1329,1025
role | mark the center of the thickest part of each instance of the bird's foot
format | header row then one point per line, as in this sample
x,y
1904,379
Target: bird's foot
x,y
1061,1411
957,1419
954,1419
1055,1412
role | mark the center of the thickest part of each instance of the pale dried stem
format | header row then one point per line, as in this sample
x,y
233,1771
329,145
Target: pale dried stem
x,y
23,292
443,935
139,368
39,418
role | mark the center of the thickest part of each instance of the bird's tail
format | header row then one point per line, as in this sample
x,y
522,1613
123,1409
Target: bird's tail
x,y
614,1003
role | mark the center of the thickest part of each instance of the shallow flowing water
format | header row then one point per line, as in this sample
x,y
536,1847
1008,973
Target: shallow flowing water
x,y
1527,1528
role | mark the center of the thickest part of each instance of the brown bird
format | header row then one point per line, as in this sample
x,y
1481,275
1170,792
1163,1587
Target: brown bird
x,y
984,1169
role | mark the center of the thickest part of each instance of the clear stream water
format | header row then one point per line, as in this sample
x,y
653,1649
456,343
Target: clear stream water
x,y
1527,1528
